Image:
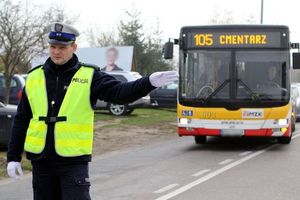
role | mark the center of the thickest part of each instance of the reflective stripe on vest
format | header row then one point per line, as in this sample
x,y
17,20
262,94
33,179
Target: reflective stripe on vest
x,y
73,137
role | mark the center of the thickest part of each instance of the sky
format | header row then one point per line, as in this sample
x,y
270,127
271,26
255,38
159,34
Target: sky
x,y
172,15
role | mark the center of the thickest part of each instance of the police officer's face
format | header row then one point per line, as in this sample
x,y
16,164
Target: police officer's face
x,y
60,54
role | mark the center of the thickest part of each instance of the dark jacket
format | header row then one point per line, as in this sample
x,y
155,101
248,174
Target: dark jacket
x,y
58,78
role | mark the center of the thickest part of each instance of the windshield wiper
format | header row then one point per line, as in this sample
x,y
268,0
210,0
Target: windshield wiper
x,y
217,90
253,95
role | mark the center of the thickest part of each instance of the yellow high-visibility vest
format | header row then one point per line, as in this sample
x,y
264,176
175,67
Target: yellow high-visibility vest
x,y
73,136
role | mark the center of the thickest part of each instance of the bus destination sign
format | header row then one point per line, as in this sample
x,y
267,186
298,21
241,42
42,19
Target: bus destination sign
x,y
234,39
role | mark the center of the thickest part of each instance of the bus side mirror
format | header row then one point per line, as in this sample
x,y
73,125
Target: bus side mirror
x,y
296,60
168,50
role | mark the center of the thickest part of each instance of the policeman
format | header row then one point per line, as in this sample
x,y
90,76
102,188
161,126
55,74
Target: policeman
x,y
54,121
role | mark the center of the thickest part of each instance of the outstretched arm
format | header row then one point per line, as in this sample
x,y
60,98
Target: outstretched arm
x,y
107,88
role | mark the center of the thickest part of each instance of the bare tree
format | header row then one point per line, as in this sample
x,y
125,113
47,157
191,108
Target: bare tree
x,y
251,20
58,13
99,38
22,35
224,16
1,66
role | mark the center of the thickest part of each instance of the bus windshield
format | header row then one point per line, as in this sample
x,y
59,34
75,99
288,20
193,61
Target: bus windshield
x,y
264,73
234,75
204,71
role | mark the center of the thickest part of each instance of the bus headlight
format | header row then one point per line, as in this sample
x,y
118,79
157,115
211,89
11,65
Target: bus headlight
x,y
283,130
283,122
184,121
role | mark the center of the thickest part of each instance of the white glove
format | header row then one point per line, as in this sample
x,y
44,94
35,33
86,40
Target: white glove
x,y
13,168
159,79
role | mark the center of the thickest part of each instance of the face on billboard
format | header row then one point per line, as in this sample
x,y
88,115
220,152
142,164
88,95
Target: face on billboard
x,y
111,56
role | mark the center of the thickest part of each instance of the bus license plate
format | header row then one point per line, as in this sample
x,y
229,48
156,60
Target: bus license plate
x,y
232,132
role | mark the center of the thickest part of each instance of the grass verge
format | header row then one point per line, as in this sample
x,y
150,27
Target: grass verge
x,y
144,117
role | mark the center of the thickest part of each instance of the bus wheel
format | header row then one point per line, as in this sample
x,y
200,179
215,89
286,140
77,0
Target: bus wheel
x,y
284,140
200,139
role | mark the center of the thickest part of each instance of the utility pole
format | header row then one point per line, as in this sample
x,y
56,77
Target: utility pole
x,y
262,12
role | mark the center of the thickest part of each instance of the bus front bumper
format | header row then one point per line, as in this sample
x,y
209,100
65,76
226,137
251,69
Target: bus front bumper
x,y
265,132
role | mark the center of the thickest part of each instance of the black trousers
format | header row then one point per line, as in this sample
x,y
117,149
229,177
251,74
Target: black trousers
x,y
60,180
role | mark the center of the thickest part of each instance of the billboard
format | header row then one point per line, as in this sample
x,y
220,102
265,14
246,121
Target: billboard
x,y
107,58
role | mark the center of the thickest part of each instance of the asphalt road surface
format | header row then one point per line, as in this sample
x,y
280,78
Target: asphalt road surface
x,y
178,169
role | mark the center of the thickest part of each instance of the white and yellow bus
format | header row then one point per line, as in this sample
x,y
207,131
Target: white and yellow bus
x,y
234,81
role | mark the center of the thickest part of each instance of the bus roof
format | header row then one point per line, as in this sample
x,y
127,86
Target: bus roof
x,y
236,26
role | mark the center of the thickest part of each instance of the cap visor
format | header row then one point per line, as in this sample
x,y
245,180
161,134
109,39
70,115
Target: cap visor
x,y
52,41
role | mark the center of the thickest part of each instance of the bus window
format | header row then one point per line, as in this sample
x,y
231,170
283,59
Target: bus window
x,y
204,72
265,77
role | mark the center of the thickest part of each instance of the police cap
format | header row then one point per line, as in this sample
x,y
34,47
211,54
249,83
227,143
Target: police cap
x,y
60,33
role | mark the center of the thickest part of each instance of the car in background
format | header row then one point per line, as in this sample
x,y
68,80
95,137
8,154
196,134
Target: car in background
x,y
165,97
7,114
17,84
117,109
295,89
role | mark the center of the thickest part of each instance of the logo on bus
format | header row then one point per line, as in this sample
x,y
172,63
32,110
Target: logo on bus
x,y
253,113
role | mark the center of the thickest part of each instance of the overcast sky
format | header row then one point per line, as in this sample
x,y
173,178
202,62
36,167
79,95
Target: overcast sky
x,y
175,14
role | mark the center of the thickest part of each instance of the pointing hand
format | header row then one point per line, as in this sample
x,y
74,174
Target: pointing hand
x,y
159,79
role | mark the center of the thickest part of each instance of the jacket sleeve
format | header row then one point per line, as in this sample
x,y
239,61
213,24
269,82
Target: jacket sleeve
x,y
107,88
19,129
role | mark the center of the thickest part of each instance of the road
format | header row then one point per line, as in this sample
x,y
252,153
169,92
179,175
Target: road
x,y
178,169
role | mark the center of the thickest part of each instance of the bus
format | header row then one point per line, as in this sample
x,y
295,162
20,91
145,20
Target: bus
x,y
234,81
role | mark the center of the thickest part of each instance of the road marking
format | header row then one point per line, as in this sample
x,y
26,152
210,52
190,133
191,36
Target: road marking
x,y
297,135
245,153
217,172
201,172
164,189
213,174
224,162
